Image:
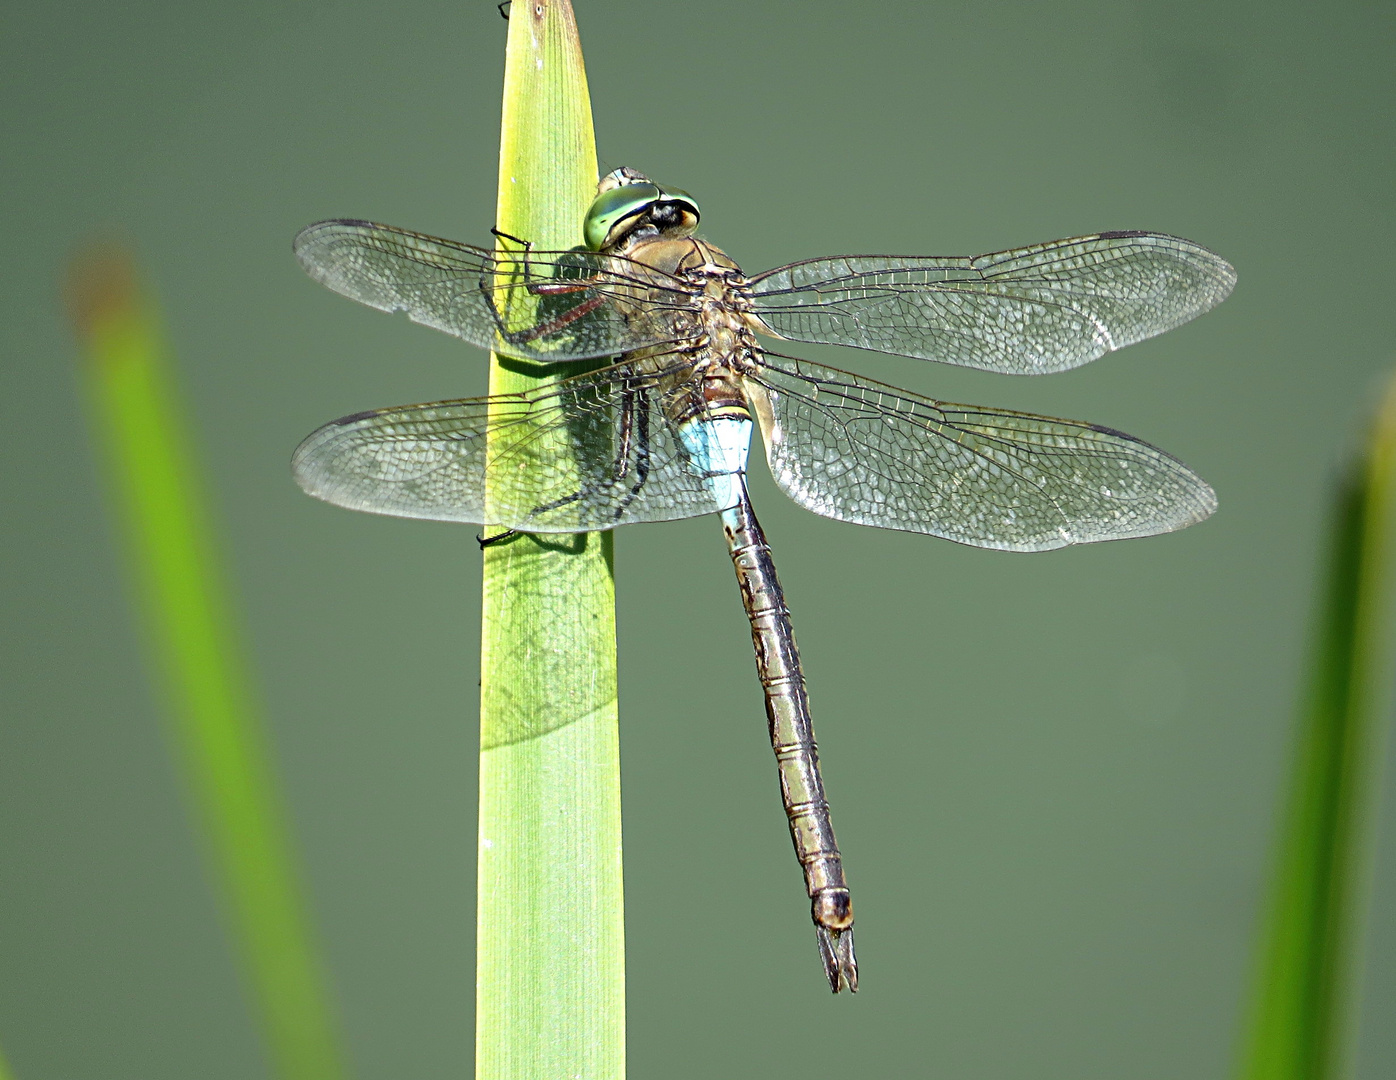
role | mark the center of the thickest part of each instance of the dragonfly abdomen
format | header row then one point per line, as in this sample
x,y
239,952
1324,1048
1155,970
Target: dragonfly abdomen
x,y
792,739
789,723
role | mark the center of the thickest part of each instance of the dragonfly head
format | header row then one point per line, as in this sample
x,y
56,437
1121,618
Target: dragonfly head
x,y
628,201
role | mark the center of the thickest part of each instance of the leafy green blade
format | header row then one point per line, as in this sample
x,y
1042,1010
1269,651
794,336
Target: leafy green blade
x,y
212,722
1302,1010
550,961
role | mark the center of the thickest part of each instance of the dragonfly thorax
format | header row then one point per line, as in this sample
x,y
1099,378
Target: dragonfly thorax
x,y
717,321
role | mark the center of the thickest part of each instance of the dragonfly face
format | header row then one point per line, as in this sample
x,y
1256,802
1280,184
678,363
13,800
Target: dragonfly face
x,y
628,201
662,432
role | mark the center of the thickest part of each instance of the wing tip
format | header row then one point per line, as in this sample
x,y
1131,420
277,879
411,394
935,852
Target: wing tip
x,y
316,228
311,241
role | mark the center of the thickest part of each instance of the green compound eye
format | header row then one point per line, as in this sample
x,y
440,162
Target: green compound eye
x,y
610,208
672,210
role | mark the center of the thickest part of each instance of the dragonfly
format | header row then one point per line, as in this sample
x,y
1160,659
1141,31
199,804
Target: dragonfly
x,y
662,432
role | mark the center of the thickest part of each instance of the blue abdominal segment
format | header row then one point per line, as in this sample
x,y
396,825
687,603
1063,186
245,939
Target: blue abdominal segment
x,y
718,450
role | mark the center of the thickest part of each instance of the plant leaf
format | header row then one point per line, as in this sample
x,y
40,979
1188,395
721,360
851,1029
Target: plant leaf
x,y
550,959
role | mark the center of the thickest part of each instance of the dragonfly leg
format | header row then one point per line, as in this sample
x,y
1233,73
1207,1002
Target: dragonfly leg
x,y
792,739
527,245
552,326
634,426
549,326
640,446
488,541
535,287
539,288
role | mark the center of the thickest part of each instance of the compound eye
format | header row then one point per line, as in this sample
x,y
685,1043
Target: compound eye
x,y
612,209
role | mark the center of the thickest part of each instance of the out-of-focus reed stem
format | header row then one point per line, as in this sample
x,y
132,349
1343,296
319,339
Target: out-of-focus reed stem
x,y
213,723
1302,1010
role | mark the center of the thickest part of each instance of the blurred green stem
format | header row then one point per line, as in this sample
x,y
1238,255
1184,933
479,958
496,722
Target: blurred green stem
x,y
550,947
213,724
1302,1013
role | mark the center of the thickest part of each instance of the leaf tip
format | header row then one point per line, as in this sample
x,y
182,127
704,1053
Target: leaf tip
x,y
101,285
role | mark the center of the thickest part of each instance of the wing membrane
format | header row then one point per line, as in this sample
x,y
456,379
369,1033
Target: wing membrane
x,y
859,451
587,453
1027,311
509,302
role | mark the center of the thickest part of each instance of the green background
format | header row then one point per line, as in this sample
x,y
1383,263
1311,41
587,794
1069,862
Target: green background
x,y
1054,777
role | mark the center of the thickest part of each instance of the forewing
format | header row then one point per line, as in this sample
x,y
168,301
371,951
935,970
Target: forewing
x,y
539,305
1028,311
859,451
588,453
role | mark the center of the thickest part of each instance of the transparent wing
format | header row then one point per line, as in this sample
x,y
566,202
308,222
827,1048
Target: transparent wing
x,y
591,452
1028,311
859,451
539,305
